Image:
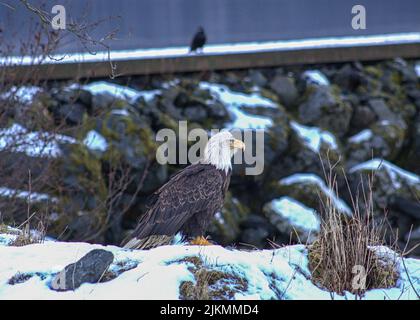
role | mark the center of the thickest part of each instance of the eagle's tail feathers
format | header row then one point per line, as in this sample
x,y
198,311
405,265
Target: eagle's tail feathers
x,y
149,242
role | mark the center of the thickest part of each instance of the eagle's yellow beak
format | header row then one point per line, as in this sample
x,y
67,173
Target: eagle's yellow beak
x,y
238,144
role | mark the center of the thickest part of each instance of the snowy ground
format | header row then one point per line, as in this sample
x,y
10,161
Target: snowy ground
x,y
268,274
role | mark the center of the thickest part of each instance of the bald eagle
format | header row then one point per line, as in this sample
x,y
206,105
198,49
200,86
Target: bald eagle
x,y
189,200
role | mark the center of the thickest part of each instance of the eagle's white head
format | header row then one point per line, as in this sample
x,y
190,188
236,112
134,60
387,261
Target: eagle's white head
x,y
220,150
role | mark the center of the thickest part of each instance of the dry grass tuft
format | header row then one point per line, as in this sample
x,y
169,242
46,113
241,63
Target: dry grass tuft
x,y
19,278
342,258
5,229
23,277
210,284
26,237
122,266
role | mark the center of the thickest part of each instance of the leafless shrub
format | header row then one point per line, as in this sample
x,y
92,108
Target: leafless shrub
x,y
48,40
119,178
344,257
34,115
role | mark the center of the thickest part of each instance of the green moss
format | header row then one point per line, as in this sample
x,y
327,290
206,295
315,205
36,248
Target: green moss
x,y
124,132
168,122
88,169
146,136
393,135
269,95
209,284
4,228
233,213
374,71
82,191
396,78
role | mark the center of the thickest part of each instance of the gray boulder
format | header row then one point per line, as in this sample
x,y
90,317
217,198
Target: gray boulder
x,y
410,160
325,108
286,89
383,139
72,113
363,117
196,113
390,181
89,269
383,112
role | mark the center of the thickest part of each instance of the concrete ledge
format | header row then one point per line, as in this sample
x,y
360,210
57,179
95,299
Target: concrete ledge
x,y
210,62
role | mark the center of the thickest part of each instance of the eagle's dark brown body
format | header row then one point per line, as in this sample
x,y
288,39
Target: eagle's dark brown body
x,y
186,203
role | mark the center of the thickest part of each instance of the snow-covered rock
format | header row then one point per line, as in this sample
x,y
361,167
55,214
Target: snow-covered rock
x,y
363,135
95,141
293,218
395,173
316,77
308,188
27,272
326,108
394,188
383,139
235,100
314,137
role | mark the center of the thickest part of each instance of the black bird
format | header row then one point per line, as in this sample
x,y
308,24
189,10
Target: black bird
x,y
199,40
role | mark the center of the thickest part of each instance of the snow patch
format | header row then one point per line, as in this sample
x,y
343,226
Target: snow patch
x,y
417,68
317,77
34,144
235,100
296,213
24,94
95,141
313,136
118,91
228,96
29,196
121,112
363,135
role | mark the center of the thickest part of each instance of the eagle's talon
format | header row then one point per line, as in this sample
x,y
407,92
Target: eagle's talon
x,y
200,241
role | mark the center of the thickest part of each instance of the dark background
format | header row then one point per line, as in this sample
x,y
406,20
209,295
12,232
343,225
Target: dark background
x,y
163,23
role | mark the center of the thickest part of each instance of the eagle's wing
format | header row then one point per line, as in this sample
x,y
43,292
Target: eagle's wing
x,y
194,189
